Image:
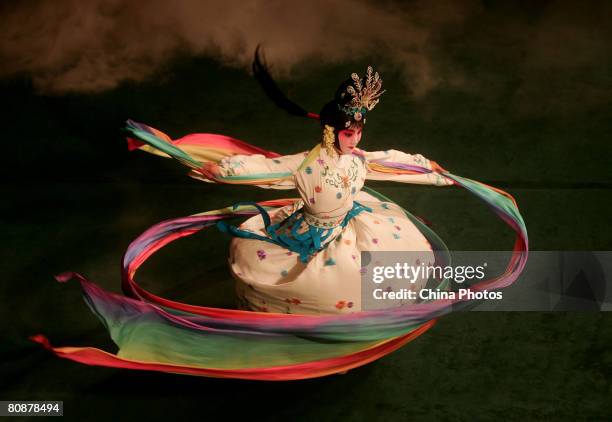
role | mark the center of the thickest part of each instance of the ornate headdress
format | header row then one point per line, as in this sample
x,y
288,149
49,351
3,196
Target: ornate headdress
x,y
364,95
352,100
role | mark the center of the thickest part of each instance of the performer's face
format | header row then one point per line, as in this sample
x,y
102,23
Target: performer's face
x,y
348,139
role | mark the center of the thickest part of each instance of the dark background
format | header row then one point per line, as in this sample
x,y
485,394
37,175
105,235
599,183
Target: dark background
x,y
530,115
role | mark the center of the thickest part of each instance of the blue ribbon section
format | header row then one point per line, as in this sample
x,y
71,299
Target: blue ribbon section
x,y
304,244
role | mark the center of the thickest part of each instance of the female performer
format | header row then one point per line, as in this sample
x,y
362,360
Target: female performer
x,y
306,257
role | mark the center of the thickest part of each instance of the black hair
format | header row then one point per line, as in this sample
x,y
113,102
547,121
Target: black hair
x,y
262,74
331,113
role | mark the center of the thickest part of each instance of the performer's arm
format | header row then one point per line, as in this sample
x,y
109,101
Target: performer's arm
x,y
256,164
380,164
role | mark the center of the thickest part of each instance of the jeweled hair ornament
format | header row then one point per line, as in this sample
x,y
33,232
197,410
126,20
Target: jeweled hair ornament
x,y
365,96
328,140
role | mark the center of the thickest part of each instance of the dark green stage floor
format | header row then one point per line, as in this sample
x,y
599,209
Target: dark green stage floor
x,y
470,365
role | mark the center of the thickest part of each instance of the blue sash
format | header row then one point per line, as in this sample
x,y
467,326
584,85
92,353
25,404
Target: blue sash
x,y
305,244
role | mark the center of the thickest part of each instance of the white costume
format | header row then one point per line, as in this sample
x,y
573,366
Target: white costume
x,y
272,278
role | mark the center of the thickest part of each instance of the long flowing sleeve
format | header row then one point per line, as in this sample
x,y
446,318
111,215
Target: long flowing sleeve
x,y
258,170
383,165
258,164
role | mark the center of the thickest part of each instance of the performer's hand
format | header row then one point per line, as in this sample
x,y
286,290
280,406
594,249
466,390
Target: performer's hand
x,y
437,167
210,170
